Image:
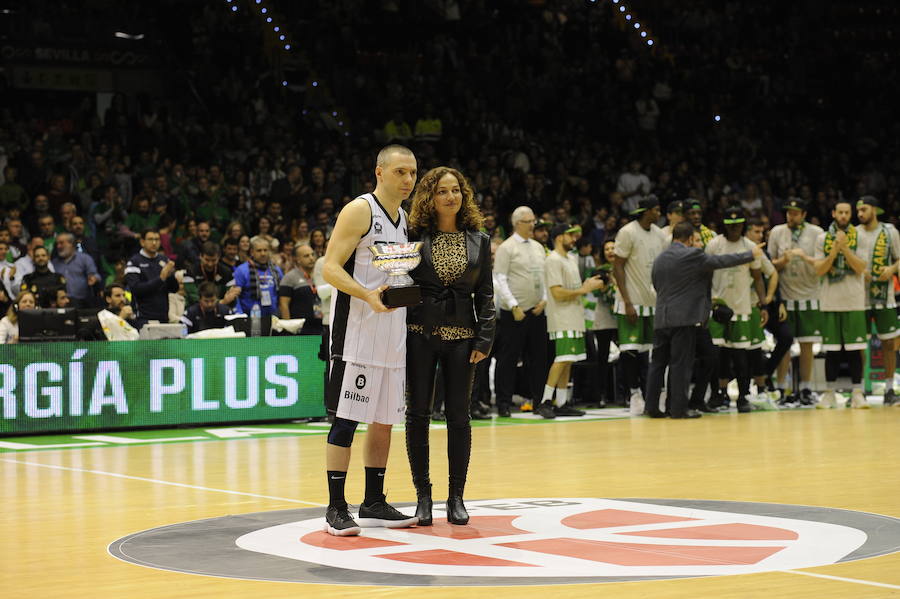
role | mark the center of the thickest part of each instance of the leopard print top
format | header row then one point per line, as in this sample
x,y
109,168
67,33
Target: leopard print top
x,y
448,253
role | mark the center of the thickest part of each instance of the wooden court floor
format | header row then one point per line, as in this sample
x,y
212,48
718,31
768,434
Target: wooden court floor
x,y
62,508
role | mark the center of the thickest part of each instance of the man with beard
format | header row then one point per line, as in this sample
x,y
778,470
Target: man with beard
x,y
43,282
792,247
565,319
843,303
695,215
879,246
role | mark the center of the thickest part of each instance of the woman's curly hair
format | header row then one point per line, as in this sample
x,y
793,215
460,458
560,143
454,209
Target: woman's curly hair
x,y
423,217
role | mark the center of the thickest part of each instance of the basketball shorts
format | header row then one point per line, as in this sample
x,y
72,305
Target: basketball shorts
x,y
569,346
887,325
845,330
366,393
805,321
736,334
635,337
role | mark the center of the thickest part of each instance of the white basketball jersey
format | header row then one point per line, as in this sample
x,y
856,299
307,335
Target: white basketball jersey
x,y
357,333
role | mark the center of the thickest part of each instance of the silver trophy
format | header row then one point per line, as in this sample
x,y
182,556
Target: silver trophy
x,y
397,259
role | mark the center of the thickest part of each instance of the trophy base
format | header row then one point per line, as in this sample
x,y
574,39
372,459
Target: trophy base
x,y
401,297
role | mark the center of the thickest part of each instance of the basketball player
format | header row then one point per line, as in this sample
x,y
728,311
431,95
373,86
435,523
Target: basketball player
x,y
368,344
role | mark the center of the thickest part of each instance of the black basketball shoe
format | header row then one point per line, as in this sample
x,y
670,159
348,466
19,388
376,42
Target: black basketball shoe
x,y
339,522
381,513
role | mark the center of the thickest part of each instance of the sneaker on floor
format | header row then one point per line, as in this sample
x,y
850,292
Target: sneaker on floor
x,y
858,400
568,410
381,513
339,522
526,406
545,410
744,406
889,398
636,405
807,397
829,400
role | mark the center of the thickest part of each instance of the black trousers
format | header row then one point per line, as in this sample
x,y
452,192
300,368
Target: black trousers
x,y
596,383
784,338
526,338
705,367
673,347
423,356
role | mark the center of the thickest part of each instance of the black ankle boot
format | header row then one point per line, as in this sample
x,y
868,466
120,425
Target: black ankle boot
x,y
456,510
423,507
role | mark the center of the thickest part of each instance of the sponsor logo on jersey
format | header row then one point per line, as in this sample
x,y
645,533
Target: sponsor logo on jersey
x,y
360,381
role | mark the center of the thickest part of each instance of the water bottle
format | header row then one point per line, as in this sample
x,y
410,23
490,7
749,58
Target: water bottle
x,y
255,318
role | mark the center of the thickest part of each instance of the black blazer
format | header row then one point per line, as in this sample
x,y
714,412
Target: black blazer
x,y
467,302
682,277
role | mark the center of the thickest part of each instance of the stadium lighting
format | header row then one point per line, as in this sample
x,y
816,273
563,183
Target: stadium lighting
x,y
287,46
129,36
233,8
264,10
717,118
649,42
637,25
628,17
268,19
315,84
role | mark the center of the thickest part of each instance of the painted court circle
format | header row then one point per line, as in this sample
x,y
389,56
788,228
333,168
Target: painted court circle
x,y
520,542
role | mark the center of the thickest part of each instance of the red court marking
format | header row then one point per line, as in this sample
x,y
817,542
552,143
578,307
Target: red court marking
x,y
730,532
479,527
445,557
612,518
634,554
326,541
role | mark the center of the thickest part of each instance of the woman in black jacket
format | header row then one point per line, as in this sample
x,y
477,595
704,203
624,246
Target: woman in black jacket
x,y
453,326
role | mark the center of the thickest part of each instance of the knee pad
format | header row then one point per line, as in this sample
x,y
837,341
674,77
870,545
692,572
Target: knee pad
x,y
341,433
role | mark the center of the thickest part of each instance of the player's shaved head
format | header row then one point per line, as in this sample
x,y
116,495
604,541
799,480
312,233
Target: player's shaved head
x,y
387,152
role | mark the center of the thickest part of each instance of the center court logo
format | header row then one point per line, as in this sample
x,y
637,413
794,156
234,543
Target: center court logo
x,y
524,541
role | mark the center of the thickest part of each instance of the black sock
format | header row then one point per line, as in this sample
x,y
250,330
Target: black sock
x,y
336,480
374,485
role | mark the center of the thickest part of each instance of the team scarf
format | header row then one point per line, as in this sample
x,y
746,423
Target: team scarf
x,y
796,233
706,234
881,258
254,280
839,267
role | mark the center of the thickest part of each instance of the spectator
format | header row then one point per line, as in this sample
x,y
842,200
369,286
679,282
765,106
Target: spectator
x,y
61,300
257,281
42,282
77,268
290,190
40,208
633,185
264,226
397,130
189,251
318,241
11,193
9,324
297,293
230,254
18,237
141,217
209,268
23,266
47,230
207,312
149,276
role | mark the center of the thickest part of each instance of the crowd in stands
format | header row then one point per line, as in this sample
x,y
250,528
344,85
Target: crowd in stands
x,y
557,105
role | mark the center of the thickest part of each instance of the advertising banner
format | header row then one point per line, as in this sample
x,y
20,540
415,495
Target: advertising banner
x,y
50,387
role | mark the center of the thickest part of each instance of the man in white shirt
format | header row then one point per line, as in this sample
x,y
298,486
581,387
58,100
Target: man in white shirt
x,y
843,303
522,328
879,246
792,247
633,185
637,245
565,319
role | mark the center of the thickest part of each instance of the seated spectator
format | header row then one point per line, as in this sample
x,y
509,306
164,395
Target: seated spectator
x,y
208,312
117,302
397,130
297,294
42,282
149,275
257,281
61,300
9,324
209,268
18,237
79,270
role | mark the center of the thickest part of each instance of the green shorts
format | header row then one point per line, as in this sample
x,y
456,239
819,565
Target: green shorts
x,y
844,330
635,337
805,321
736,334
887,325
569,346
757,331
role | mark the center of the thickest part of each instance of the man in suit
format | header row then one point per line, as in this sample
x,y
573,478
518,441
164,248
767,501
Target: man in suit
x,y
682,277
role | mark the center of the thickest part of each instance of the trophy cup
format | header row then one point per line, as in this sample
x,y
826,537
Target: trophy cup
x,y
397,259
